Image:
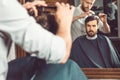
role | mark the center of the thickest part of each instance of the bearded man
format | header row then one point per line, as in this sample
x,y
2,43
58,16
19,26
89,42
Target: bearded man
x,y
93,50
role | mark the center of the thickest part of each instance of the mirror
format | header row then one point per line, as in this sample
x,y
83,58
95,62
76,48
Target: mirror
x,y
102,6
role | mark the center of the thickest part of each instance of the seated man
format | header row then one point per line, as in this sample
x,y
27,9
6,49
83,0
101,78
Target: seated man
x,y
32,68
93,50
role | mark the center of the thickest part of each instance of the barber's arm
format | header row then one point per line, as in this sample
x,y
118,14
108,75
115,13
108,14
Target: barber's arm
x,y
83,15
24,31
64,17
103,18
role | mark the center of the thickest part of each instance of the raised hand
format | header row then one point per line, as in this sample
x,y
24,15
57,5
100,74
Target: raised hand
x,y
31,6
64,16
103,17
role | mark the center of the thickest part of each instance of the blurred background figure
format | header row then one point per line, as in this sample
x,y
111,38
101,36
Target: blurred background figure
x,y
81,12
111,11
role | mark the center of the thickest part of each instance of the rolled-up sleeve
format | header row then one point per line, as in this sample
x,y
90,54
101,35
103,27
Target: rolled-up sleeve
x,y
24,31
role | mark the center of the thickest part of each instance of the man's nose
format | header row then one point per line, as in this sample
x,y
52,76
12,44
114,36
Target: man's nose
x,y
91,27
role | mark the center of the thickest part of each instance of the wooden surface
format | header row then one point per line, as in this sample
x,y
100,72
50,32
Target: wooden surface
x,y
19,52
102,73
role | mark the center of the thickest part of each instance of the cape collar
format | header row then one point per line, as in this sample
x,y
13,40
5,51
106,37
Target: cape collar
x,y
91,38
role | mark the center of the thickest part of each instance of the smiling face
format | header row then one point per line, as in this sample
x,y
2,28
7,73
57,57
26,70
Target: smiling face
x,y
86,5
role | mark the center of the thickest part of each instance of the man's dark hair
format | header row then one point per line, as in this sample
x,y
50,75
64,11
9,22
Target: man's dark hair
x,y
47,20
91,18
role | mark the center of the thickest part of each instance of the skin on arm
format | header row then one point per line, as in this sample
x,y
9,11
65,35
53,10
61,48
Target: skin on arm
x,y
81,16
64,15
103,18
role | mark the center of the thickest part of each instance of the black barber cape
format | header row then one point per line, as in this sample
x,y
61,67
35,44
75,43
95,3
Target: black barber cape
x,y
97,53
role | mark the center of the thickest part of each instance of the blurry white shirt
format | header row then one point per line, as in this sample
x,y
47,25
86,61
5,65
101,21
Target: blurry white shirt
x,y
18,26
11,55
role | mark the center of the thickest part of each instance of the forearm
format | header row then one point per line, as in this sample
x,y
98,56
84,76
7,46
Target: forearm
x,y
76,18
79,16
64,16
83,15
67,38
103,18
106,27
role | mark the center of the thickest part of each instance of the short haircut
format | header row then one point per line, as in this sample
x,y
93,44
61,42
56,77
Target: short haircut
x,y
47,21
91,18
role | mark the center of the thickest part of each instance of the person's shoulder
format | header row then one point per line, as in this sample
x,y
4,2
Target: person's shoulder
x,y
80,38
77,7
78,10
102,36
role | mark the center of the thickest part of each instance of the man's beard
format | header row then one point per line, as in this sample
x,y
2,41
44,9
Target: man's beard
x,y
85,9
91,33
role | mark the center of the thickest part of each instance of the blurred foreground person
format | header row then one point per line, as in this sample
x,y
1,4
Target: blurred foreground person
x,y
17,26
